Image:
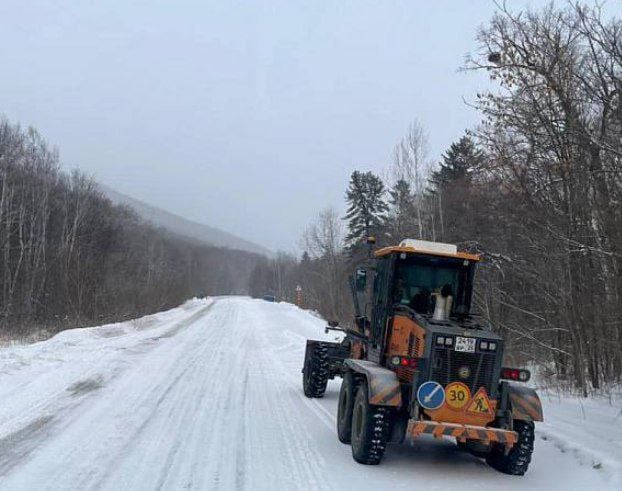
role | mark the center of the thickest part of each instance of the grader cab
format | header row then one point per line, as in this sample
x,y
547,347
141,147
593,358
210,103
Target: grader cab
x,y
416,361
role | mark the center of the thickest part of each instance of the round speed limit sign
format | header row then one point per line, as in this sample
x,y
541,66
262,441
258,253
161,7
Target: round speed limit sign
x,y
457,395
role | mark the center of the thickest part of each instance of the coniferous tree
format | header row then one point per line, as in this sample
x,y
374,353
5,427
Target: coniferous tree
x,y
460,160
401,219
450,190
367,208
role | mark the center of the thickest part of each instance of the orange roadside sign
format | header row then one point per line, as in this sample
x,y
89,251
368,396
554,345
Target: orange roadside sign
x,y
457,395
480,404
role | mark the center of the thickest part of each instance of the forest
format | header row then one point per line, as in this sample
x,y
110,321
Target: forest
x,y
535,188
69,257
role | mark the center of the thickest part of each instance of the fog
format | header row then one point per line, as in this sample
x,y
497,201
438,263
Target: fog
x,y
247,116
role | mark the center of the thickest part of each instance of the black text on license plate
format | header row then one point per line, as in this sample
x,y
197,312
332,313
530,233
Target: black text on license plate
x,y
465,344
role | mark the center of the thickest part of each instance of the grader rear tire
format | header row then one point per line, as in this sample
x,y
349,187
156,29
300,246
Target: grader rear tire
x,y
345,407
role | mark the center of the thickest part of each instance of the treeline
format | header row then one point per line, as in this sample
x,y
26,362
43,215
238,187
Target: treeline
x,y
69,257
536,189
322,272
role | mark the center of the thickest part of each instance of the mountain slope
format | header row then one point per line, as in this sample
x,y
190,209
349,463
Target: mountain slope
x,y
182,226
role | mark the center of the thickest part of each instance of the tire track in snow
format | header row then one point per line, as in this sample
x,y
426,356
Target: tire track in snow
x,y
308,463
56,402
89,477
183,397
14,448
201,456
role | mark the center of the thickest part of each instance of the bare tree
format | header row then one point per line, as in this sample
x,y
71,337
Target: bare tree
x,y
553,132
323,240
411,164
69,257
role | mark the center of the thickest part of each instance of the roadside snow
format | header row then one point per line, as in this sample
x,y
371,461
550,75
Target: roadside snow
x,y
208,396
588,429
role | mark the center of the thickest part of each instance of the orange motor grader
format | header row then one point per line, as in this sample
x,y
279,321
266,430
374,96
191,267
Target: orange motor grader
x,y
416,361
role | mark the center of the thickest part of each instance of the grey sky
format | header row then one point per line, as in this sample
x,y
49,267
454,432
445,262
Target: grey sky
x,y
248,116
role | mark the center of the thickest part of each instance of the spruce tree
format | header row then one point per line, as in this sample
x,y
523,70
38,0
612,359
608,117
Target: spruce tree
x,y
458,163
367,208
401,219
451,187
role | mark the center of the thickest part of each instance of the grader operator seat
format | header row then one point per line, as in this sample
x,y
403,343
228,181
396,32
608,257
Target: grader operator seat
x,y
421,277
421,301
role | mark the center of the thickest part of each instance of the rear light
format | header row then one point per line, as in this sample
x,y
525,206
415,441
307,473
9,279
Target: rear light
x,y
404,361
515,374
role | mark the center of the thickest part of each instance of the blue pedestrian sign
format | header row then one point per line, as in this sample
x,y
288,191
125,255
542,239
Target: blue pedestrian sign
x,y
431,395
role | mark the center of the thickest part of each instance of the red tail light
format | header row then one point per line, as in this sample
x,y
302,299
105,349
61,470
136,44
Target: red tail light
x,y
515,374
404,361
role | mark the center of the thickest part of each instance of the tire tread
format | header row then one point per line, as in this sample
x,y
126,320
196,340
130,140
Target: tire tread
x,y
315,375
516,462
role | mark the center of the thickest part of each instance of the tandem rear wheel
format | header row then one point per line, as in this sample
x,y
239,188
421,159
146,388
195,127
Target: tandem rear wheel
x,y
370,428
345,407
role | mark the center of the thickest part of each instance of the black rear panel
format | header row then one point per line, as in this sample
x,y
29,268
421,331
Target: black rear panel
x,y
446,365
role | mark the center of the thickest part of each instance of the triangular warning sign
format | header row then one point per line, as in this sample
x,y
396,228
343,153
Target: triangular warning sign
x,y
480,404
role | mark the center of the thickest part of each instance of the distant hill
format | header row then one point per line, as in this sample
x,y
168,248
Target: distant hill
x,y
181,226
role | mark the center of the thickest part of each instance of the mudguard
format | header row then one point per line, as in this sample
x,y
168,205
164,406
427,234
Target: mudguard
x,y
383,385
525,403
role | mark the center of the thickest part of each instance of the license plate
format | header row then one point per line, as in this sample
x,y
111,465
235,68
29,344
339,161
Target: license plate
x,y
465,344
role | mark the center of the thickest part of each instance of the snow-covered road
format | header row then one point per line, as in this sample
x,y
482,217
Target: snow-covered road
x,y
208,396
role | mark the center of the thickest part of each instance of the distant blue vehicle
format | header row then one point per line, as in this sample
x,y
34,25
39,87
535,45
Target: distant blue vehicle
x,y
269,298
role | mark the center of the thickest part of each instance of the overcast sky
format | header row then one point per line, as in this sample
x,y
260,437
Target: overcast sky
x,y
248,116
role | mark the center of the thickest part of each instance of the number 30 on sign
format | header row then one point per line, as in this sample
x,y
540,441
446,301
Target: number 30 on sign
x,y
457,395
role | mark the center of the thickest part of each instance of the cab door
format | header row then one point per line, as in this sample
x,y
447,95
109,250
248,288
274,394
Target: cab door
x,y
380,307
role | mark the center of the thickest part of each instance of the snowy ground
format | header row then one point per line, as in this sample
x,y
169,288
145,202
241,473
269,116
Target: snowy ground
x,y
208,396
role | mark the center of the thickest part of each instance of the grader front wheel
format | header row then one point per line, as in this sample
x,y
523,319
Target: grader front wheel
x,y
517,460
315,372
